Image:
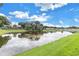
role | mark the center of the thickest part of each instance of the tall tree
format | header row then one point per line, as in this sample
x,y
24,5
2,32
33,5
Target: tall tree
x,y
3,21
22,24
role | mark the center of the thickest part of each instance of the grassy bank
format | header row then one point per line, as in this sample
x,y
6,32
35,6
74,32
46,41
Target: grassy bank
x,y
10,30
67,46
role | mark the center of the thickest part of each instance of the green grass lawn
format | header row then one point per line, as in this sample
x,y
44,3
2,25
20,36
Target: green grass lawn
x,y
67,46
10,30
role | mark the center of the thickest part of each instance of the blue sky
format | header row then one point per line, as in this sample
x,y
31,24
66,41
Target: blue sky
x,y
48,14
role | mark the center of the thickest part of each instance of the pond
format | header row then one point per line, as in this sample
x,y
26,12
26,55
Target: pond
x,y
14,43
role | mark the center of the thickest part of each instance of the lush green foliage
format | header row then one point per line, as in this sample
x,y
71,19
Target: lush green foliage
x,y
67,46
10,30
32,26
3,40
3,21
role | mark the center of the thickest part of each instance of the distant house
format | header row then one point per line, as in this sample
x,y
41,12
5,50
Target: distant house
x,y
15,26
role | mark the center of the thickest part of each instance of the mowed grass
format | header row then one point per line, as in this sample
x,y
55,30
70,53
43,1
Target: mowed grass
x,y
10,30
67,46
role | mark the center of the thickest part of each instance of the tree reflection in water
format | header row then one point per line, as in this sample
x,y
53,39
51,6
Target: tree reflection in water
x,y
3,40
30,36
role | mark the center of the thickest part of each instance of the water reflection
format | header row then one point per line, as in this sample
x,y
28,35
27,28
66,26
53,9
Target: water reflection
x,y
3,40
14,43
30,36
24,35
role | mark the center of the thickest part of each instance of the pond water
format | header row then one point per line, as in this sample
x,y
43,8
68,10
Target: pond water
x,y
14,43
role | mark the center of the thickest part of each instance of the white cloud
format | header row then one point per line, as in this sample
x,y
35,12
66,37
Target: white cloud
x,y
72,9
14,23
2,14
20,14
25,15
9,18
76,20
47,6
43,14
61,22
58,26
48,24
61,26
40,18
52,25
